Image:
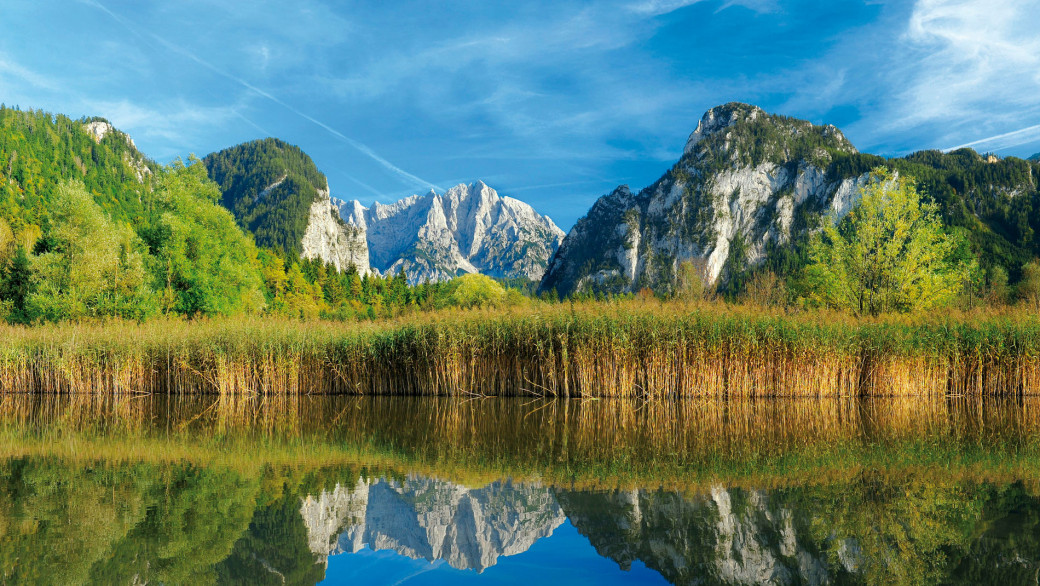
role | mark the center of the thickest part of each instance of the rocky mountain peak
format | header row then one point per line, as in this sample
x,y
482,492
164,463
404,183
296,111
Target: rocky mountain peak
x,y
470,228
719,118
98,129
744,177
423,518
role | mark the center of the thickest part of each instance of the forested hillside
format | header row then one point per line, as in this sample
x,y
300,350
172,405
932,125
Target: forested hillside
x,y
992,200
269,185
38,151
91,229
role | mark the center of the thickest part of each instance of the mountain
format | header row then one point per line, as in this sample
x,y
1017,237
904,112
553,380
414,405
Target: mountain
x,y
727,536
468,229
425,518
1035,157
276,192
749,189
91,228
39,151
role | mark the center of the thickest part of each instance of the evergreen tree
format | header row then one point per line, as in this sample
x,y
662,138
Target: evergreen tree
x,y
16,286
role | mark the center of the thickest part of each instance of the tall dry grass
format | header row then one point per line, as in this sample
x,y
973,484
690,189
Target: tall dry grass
x,y
620,349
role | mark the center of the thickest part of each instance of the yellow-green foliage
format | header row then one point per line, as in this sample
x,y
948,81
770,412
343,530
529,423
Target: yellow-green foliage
x,y
475,290
92,267
891,253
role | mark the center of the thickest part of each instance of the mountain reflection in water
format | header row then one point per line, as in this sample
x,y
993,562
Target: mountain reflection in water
x,y
873,494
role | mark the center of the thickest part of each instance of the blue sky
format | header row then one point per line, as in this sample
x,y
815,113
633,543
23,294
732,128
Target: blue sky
x,y
553,102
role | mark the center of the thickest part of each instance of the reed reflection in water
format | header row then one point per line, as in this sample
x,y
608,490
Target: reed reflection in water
x,y
221,488
552,439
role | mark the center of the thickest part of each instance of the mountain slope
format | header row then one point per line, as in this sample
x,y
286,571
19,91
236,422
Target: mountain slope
x,y
277,193
751,187
469,528
38,151
90,228
469,229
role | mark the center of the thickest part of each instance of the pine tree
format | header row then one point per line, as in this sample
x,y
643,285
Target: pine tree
x,y
16,286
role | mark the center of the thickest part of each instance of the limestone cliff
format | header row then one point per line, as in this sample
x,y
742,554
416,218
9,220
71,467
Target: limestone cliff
x,y
744,181
430,519
726,536
330,239
468,229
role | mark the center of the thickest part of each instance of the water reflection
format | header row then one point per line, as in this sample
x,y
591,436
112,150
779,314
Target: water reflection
x,y
855,492
425,518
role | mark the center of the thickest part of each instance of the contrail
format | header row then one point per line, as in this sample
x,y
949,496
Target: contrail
x,y
401,173
1034,129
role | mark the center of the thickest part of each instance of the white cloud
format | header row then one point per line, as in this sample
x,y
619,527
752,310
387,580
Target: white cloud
x,y
173,122
975,64
660,7
9,68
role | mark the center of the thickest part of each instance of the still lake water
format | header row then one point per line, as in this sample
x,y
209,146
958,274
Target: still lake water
x,y
311,490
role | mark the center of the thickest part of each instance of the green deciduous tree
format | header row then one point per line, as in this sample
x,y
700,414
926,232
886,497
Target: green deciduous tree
x,y
890,253
204,264
92,267
475,290
1029,286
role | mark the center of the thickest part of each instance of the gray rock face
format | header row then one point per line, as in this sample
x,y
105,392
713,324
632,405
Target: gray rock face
x,y
744,178
330,239
98,129
725,536
468,229
431,519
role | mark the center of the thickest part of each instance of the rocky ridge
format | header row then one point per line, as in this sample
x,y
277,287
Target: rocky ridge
x,y
751,188
328,238
744,181
100,128
424,518
468,229
727,536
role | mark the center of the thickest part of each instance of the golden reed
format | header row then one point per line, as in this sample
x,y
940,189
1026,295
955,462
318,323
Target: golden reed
x,y
615,349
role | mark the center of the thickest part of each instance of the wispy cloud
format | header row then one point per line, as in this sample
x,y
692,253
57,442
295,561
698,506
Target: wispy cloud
x,y
184,52
1006,140
658,7
8,68
974,65
661,7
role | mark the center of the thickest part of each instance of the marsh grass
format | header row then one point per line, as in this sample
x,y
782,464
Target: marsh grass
x,y
648,350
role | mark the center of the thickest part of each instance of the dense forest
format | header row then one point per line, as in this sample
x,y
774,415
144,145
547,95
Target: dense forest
x,y
269,186
989,204
91,229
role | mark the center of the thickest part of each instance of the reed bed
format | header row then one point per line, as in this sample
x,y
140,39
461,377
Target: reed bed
x,y
620,349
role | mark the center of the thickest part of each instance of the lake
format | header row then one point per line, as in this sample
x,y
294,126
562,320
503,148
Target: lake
x,y
306,490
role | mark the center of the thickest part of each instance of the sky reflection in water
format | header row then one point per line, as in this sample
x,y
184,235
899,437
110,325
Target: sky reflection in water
x,y
419,492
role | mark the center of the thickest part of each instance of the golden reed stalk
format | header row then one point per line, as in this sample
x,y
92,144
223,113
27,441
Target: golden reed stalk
x,y
617,349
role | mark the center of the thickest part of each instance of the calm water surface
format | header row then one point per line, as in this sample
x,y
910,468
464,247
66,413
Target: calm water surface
x,y
432,491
